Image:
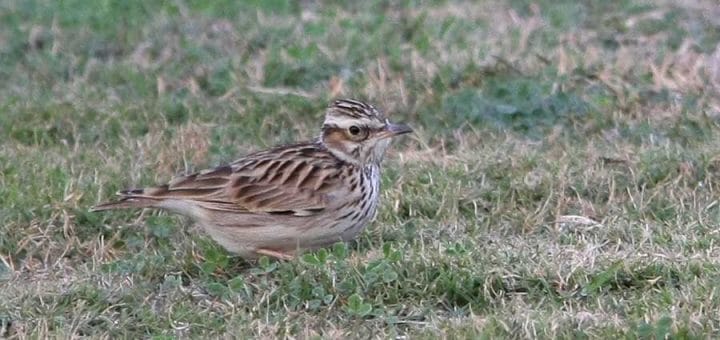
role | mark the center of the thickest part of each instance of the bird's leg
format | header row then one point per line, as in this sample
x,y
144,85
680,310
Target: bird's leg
x,y
274,253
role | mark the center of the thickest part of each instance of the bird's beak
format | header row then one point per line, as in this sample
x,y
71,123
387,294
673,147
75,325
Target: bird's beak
x,y
395,129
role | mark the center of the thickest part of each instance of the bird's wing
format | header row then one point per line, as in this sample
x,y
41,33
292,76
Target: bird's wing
x,y
300,180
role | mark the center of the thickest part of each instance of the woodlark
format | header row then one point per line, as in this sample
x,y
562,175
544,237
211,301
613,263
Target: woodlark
x,y
300,196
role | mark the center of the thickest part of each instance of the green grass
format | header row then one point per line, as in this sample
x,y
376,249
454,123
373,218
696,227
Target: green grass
x,y
562,181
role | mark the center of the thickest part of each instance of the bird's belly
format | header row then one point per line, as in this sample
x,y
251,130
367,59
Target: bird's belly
x,y
351,228
290,235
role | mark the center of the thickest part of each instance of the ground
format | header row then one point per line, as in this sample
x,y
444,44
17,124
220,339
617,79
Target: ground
x,y
562,182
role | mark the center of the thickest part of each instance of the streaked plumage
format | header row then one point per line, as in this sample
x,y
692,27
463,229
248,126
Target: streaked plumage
x,y
274,202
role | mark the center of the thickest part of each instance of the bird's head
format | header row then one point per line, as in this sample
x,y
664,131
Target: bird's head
x,y
358,133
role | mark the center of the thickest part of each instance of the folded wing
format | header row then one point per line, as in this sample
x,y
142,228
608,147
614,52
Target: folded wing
x,y
299,180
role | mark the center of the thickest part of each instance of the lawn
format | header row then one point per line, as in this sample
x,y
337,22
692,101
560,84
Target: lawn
x,y
563,180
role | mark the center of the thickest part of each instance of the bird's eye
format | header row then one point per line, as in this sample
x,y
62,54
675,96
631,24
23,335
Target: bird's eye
x,y
354,130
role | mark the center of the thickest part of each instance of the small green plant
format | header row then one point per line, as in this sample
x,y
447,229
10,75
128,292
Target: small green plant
x,y
356,307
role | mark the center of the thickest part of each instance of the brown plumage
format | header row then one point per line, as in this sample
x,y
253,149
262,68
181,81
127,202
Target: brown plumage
x,y
274,202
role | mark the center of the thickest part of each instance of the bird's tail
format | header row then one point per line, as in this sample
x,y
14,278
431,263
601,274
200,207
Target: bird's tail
x,y
135,198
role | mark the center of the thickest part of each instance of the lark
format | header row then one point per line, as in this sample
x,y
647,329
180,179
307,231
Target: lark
x,y
289,198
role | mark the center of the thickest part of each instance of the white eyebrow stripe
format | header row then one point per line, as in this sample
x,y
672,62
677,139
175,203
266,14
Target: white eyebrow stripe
x,y
348,122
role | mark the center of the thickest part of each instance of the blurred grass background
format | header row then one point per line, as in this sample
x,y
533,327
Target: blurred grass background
x,y
562,181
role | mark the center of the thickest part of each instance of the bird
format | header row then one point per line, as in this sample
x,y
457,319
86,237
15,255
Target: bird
x,y
289,198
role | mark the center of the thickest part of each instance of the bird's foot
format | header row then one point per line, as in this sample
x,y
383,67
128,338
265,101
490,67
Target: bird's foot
x,y
276,254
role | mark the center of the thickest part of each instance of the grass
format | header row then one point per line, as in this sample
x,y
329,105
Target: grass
x,y
562,183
